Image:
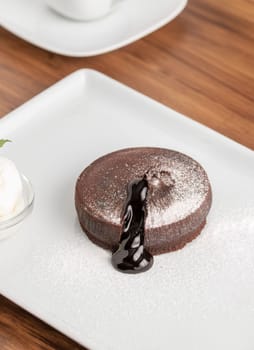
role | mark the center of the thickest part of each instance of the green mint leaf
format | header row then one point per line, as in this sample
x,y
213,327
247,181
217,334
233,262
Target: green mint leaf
x,y
2,142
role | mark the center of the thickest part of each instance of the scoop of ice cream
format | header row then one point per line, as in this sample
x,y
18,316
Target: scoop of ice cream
x,y
11,189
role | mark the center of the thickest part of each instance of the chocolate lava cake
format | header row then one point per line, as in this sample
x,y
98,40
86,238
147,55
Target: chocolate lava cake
x,y
177,202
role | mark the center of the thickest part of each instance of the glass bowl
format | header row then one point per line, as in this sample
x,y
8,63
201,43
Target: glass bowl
x,y
10,225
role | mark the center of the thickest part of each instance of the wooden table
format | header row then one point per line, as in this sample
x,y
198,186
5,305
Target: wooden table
x,y
201,64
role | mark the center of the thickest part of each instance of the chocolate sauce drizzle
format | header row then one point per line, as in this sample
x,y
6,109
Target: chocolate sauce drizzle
x,y
131,256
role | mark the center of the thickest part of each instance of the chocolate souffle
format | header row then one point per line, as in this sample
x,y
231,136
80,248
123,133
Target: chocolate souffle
x,y
175,205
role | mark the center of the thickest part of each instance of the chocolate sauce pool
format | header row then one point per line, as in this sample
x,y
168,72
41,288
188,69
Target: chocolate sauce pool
x,y
131,256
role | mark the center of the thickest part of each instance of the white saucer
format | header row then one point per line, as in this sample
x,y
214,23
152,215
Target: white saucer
x,y
34,22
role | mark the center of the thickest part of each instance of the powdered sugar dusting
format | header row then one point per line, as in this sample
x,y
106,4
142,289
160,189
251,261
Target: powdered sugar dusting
x,y
178,185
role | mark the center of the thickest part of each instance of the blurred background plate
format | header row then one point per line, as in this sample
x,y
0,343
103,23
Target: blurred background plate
x,y
35,22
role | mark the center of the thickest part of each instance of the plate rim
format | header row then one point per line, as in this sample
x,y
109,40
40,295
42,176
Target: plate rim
x,y
82,73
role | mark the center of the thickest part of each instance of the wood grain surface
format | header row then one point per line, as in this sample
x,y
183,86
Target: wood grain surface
x,y
201,64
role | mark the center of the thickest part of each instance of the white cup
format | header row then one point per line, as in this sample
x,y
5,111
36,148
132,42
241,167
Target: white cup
x,y
81,10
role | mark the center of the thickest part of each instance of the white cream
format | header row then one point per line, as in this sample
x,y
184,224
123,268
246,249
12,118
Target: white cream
x,y
11,189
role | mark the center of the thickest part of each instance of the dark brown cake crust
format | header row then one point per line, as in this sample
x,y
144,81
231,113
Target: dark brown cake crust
x,y
170,247
180,197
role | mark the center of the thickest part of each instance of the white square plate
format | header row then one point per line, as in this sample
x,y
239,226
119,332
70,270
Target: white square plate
x,y
200,297
33,21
